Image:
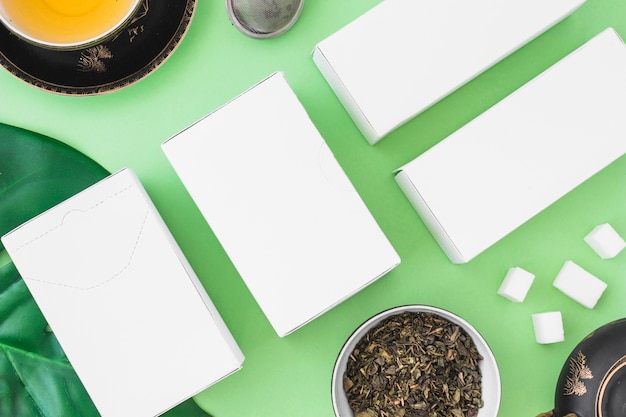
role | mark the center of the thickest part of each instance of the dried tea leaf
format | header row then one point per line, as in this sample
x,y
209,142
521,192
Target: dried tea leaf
x,y
347,383
366,413
414,364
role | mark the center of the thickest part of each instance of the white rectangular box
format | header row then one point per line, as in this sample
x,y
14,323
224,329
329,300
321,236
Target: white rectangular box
x,y
523,154
285,212
403,56
125,305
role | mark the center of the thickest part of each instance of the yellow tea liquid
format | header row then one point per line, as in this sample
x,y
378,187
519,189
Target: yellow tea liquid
x,y
65,21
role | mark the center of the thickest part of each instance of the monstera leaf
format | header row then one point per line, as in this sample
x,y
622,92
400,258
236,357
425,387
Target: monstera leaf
x,y
36,379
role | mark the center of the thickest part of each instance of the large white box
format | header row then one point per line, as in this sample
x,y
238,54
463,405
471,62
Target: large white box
x,y
403,56
523,154
283,209
125,305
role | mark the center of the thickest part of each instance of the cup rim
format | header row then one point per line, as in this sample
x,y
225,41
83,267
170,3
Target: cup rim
x,y
110,32
489,362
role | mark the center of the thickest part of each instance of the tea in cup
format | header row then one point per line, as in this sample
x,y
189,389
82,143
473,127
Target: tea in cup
x,y
66,24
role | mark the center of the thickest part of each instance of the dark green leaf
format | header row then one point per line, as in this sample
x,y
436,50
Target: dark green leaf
x,y
36,173
36,380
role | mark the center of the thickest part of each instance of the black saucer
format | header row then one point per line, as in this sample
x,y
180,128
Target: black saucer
x,y
144,44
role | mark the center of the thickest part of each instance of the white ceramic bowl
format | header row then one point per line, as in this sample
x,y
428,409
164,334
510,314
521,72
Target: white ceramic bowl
x,y
105,35
491,390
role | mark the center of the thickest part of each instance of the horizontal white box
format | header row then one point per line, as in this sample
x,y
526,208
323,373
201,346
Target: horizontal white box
x,y
523,154
278,201
403,56
129,312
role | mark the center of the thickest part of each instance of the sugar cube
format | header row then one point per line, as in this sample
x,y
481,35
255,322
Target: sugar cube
x,y
548,327
605,241
580,285
516,284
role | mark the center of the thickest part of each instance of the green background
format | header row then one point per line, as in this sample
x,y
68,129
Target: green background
x,y
291,376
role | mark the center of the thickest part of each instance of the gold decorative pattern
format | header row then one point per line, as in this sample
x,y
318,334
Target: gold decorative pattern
x,y
92,59
144,12
134,31
578,370
610,373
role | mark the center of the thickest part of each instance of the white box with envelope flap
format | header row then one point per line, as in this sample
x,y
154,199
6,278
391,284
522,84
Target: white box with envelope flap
x,y
517,158
403,56
128,310
279,203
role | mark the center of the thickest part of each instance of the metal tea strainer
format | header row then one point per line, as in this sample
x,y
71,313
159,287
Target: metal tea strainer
x,y
264,19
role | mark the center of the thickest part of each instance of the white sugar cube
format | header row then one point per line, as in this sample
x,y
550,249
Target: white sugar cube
x,y
605,241
579,284
516,284
548,327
